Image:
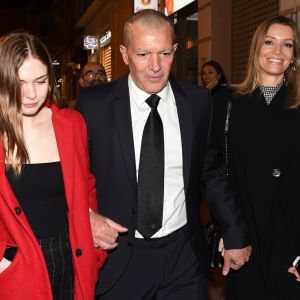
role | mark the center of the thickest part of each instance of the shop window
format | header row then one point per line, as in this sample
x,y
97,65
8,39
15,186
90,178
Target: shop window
x,y
105,60
105,52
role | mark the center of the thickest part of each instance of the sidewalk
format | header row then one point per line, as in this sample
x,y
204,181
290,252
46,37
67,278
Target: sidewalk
x,y
216,289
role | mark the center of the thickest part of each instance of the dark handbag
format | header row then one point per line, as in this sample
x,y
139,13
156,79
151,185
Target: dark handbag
x,y
211,229
213,236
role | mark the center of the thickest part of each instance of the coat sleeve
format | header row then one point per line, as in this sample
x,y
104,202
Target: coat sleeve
x,y
219,194
93,203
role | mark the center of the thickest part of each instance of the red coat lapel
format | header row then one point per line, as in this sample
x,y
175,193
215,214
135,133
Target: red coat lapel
x,y
64,133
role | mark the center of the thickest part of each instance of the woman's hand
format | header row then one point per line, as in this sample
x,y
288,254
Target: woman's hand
x,y
294,271
4,264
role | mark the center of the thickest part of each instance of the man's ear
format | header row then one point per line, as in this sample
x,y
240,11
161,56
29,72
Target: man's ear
x,y
175,47
124,53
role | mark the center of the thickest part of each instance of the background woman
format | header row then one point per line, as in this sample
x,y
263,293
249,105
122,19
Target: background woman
x,y
46,246
265,161
214,78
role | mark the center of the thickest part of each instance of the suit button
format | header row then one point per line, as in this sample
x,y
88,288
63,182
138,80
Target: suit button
x,y
130,243
78,252
153,226
18,210
276,173
133,211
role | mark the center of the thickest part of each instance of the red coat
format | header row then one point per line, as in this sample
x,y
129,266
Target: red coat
x,y
27,277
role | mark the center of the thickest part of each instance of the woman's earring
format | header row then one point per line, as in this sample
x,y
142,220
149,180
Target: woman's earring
x,y
293,66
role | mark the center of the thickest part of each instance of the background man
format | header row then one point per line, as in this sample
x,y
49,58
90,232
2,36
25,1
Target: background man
x,y
92,74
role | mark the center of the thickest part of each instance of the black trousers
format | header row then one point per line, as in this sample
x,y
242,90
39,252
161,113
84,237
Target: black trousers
x,y
161,269
58,257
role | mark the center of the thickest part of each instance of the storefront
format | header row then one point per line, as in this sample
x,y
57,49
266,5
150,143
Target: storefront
x,y
185,17
104,20
107,22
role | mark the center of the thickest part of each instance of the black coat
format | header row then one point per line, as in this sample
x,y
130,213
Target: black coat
x,y
106,110
265,160
221,96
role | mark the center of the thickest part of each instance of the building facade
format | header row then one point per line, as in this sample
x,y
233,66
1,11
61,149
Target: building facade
x,y
206,29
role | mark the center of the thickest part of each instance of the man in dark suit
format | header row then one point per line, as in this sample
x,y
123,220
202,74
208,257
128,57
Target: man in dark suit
x,y
139,177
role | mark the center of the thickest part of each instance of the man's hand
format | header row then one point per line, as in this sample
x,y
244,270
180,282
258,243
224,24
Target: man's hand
x,y
234,258
105,231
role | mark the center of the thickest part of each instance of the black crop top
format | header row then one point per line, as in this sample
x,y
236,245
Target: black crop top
x,y
41,193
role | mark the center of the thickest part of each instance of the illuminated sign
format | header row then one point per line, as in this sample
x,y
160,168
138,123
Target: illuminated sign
x,y
105,38
145,4
172,6
90,42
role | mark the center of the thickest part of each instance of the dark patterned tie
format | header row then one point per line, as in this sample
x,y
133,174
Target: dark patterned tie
x,y
151,173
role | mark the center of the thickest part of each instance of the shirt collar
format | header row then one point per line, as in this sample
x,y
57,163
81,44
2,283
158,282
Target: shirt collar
x,y
140,96
269,92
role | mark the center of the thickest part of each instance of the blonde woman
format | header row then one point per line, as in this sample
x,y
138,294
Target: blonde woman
x,y
265,158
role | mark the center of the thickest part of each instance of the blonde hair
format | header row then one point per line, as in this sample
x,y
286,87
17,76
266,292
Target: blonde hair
x,y
14,49
292,74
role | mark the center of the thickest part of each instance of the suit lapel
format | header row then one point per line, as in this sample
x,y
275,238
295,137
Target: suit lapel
x,y
186,129
124,128
64,133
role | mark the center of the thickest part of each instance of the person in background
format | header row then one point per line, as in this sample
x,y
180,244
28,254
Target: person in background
x,y
264,161
46,244
151,167
92,74
214,78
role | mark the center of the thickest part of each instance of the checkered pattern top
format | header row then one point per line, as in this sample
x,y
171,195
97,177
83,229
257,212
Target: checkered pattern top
x,y
269,92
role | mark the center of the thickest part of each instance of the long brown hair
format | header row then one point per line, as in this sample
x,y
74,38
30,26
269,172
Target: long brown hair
x,y
15,47
292,74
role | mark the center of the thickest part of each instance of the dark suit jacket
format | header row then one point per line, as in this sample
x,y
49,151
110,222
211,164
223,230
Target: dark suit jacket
x,y
106,110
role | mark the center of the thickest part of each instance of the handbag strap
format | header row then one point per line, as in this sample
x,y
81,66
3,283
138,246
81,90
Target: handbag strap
x,y
226,128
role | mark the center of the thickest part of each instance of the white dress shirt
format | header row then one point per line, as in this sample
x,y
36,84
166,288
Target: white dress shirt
x,y
174,210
